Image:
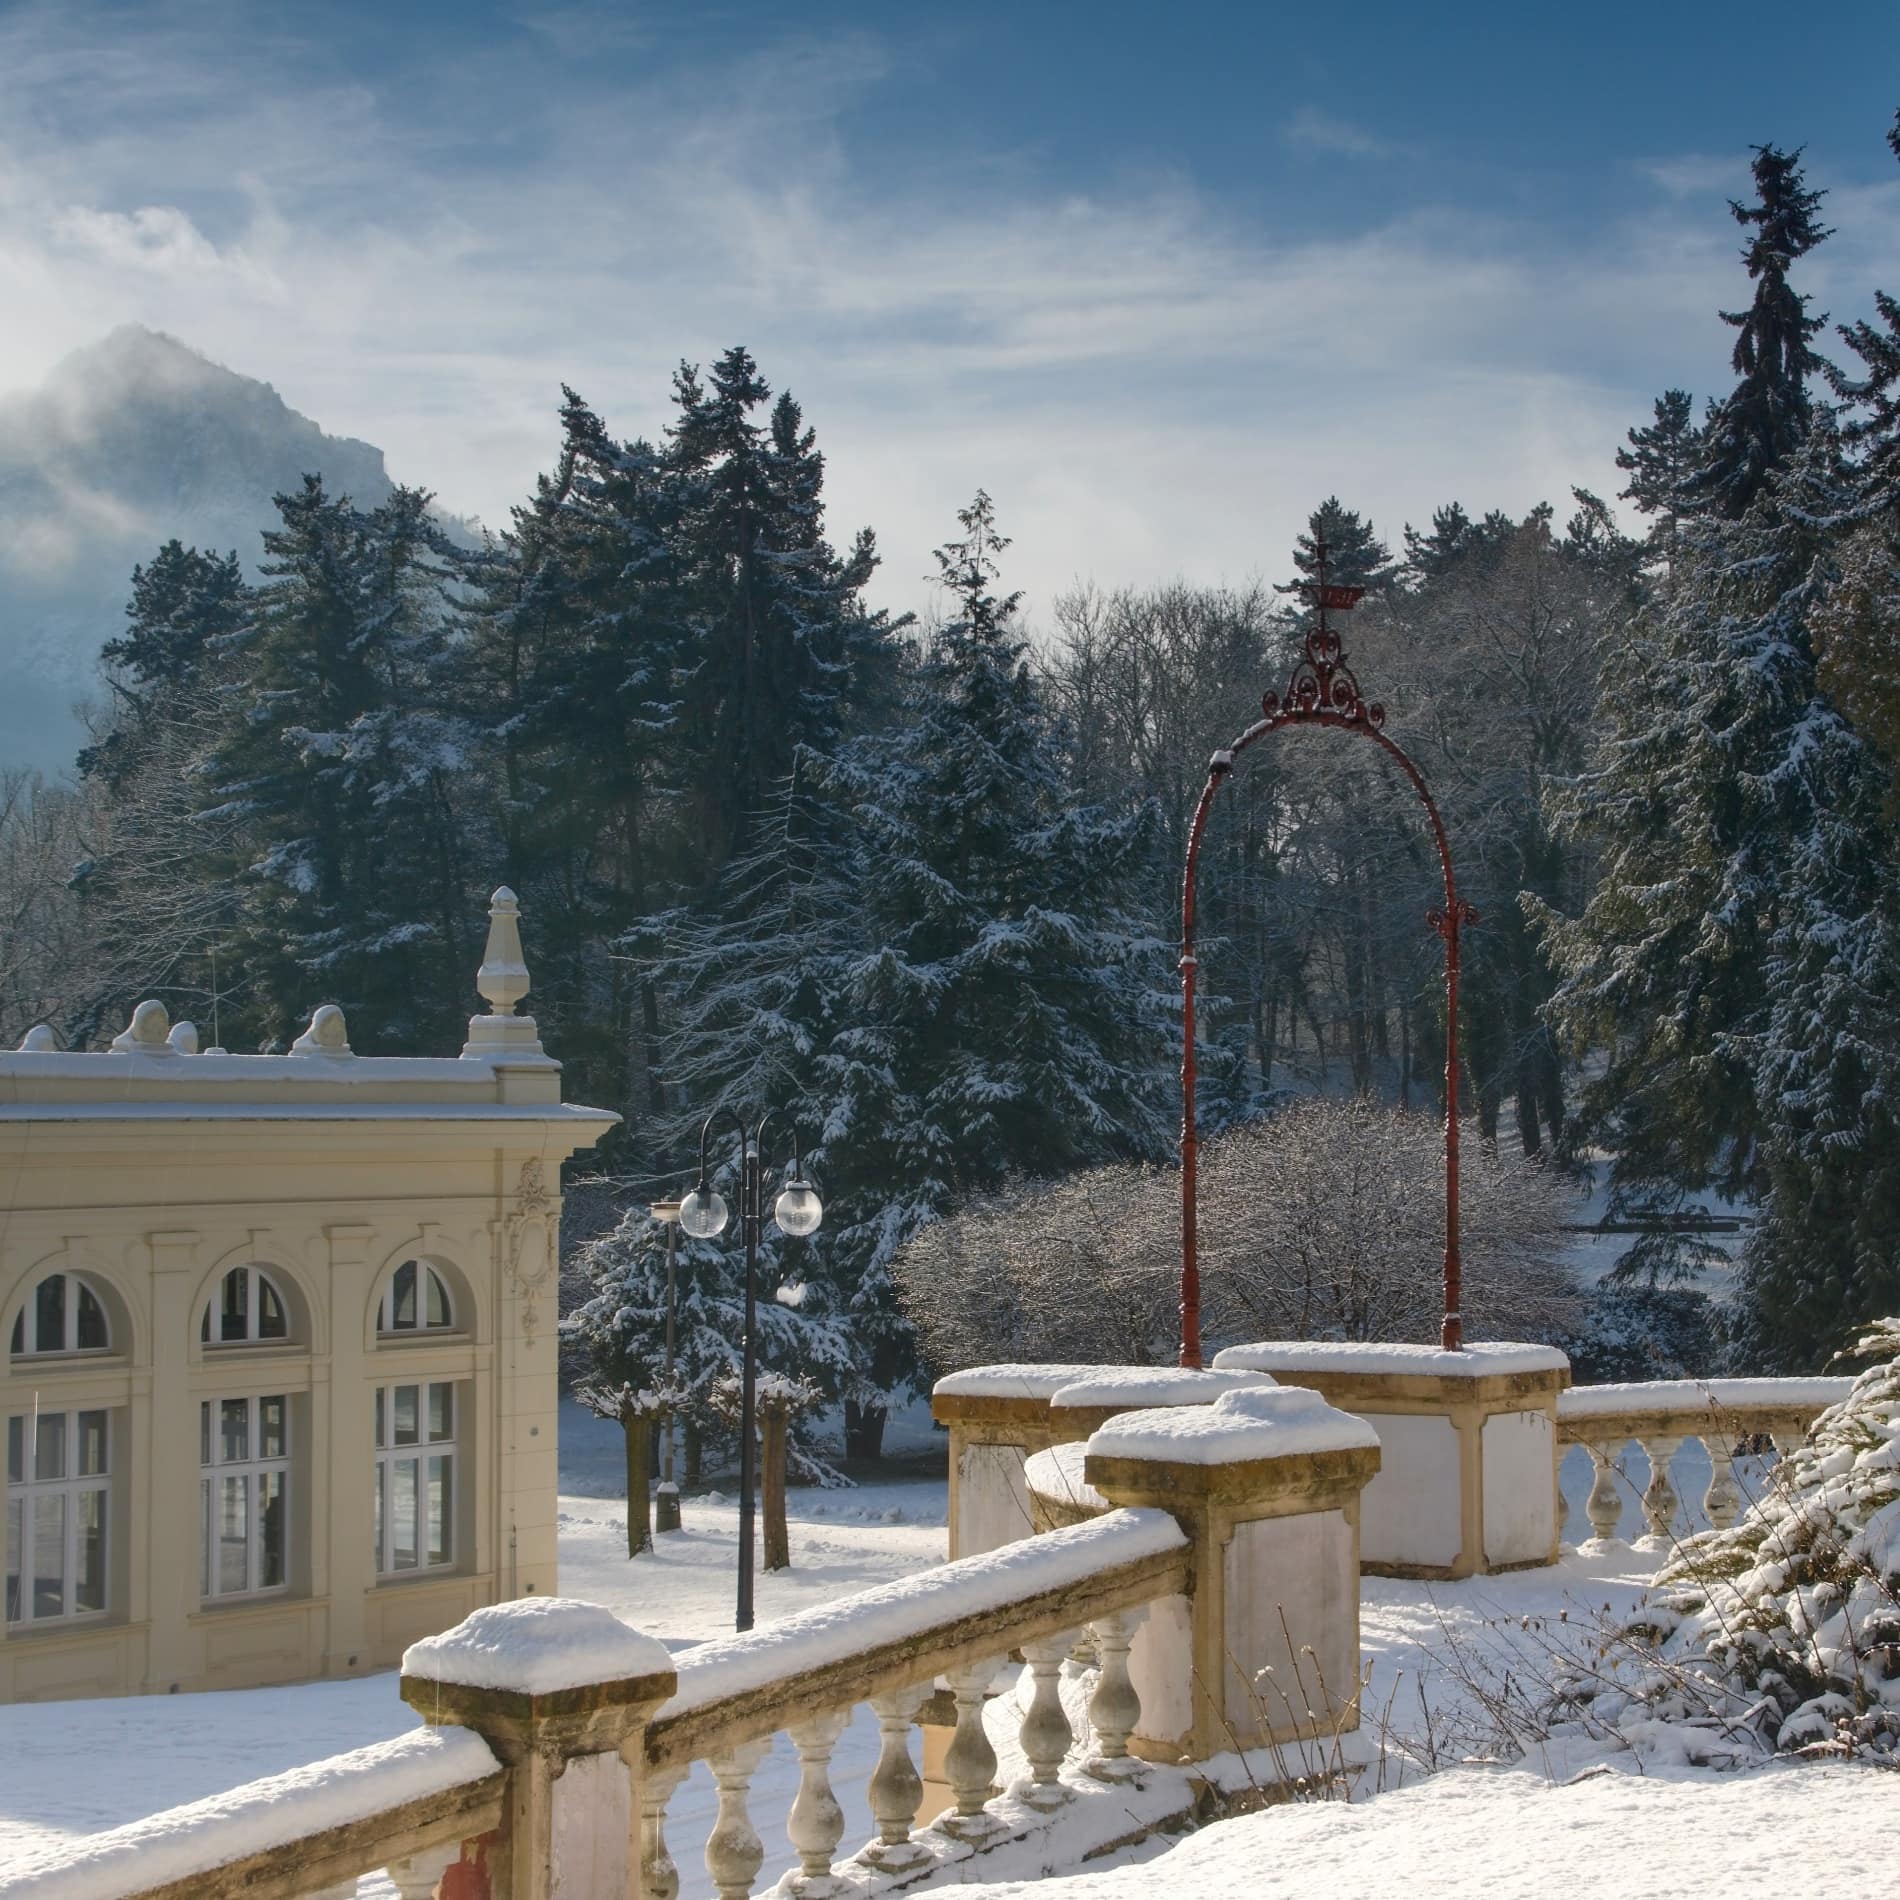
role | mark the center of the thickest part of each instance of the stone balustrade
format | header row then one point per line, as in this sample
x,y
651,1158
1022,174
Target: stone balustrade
x,y
1661,1417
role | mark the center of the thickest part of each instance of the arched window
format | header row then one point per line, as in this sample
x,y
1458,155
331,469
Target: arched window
x,y
249,1307
416,1300
62,1314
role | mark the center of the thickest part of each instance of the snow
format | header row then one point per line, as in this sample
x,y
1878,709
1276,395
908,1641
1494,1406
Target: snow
x,y
1699,1396
1483,1360
1253,1422
1509,1834
179,1843
1057,1473
1152,1385
537,1646
898,1612
1013,1382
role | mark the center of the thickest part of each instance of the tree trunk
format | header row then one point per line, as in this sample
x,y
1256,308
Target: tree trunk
x,y
638,1427
864,1430
778,1543
695,1453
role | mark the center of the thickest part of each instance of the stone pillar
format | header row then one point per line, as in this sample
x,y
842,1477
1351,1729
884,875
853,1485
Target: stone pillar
x,y
1265,1649
1468,1479
174,1653
546,1682
998,1417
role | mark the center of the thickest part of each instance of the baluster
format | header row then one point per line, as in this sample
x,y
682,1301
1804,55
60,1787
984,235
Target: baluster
x,y
659,1872
1604,1507
418,1877
896,1789
1046,1735
1660,1502
734,1852
1722,1501
816,1823
1115,1707
970,1761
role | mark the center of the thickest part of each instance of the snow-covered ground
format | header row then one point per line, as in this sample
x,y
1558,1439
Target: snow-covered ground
x,y
1438,1652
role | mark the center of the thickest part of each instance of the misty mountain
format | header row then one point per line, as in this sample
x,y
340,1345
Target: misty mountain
x,y
127,443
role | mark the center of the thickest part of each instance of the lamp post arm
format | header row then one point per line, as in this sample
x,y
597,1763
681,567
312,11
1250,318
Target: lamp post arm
x,y
705,1135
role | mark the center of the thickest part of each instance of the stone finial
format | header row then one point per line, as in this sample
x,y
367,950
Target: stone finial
x,y
147,1029
39,1037
184,1038
328,1034
503,978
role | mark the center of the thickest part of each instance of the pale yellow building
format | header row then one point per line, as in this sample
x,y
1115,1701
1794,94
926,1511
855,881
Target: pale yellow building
x,y
279,1394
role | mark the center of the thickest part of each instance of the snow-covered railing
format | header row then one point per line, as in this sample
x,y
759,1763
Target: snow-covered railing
x,y
889,1647
1661,1417
402,1807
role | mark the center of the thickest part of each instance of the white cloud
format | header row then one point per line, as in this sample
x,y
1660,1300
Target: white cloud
x,y
1147,384
1313,130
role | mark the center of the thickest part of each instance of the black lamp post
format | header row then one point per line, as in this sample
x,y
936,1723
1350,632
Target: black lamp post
x,y
702,1214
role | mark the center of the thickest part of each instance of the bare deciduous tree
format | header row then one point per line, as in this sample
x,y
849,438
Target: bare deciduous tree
x,y
1324,1222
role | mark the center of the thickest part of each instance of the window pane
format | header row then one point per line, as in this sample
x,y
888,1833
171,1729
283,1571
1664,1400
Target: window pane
x,y
234,1437
49,1314
16,1450
49,1447
92,1445
271,1323
92,1321
89,1551
49,1555
272,1529
235,1322
402,1296
439,1314
234,1533
441,1510
204,1432
204,1535
16,1518
379,1418
441,1413
404,1484
408,1428
271,1436
19,1333
382,1559
204,1329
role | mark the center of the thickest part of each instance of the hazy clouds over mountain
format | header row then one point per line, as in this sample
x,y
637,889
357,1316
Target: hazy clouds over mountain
x,y
127,443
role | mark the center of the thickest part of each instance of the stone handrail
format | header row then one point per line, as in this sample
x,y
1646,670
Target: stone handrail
x,y
404,1807
887,1647
1661,1416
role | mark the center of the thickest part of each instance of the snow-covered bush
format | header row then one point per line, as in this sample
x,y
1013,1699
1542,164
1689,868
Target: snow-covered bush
x,y
1784,1631
1324,1222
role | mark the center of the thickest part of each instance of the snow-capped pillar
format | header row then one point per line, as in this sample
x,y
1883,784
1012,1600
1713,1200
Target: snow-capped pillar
x,y
1265,1646
1469,1479
997,1418
558,1689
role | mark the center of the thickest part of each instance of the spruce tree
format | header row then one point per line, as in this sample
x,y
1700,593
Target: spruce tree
x,y
340,767
1764,418
1659,459
1355,555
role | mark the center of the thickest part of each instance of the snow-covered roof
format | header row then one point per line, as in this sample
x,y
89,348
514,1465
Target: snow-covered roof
x,y
1254,1422
1483,1360
537,1646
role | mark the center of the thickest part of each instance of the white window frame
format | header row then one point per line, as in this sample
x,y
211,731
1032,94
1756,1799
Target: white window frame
x,y
250,1470
23,1495
427,1278
26,1323
211,1325
422,1453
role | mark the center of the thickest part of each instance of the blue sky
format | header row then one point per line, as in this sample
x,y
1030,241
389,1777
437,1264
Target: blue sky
x,y
1158,277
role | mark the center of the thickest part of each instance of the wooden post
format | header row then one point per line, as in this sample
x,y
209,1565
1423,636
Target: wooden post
x,y
638,1427
774,1421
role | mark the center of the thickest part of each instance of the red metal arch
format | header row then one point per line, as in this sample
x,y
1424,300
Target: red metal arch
x,y
1322,692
